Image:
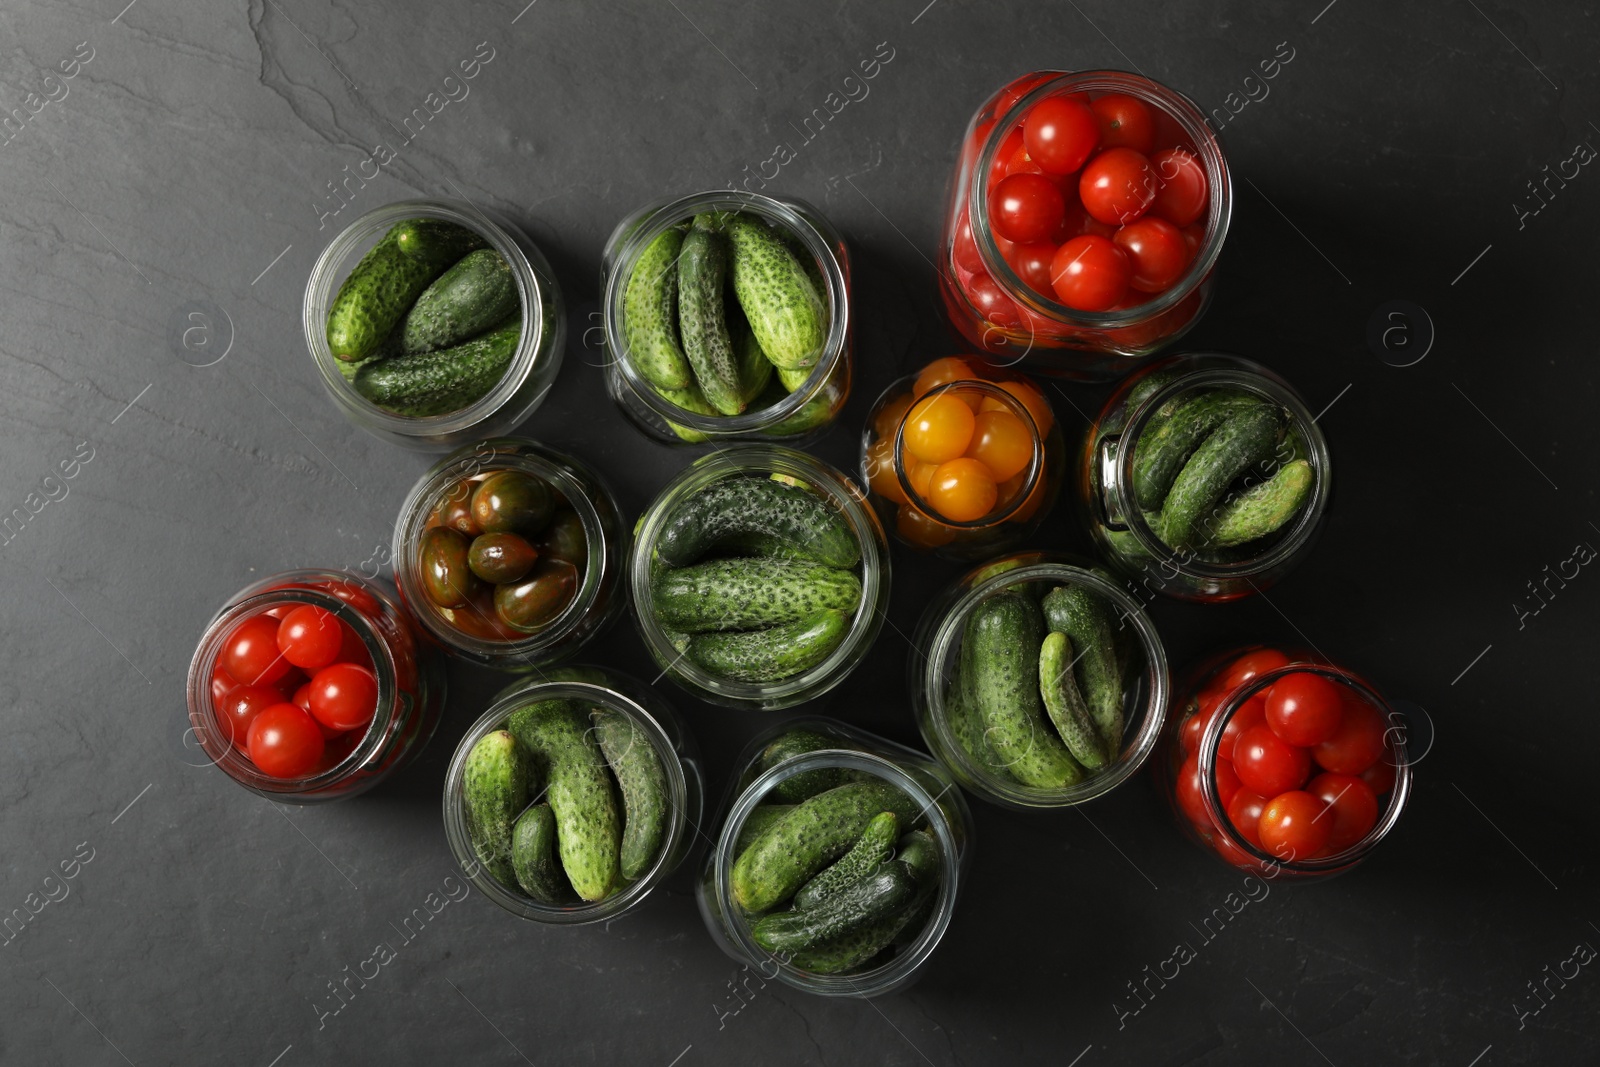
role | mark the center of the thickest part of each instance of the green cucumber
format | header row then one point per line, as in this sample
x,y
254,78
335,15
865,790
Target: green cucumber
x,y
744,505
374,298
919,850
436,383
872,849
867,900
636,764
534,856
702,264
1003,636
589,827
750,593
786,313
757,822
755,369
1064,703
806,784
1242,441
794,379
1166,445
689,399
1085,619
650,313
760,544
436,241
1261,509
808,838
494,788
774,654
477,293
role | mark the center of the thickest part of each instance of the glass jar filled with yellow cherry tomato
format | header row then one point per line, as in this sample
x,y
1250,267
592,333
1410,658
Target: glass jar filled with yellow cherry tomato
x,y
962,458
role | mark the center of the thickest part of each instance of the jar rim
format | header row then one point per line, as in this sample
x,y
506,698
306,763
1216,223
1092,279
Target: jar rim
x,y
504,237
1219,204
796,216
939,663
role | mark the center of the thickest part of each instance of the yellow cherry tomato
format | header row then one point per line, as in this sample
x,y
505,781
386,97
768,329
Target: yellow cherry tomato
x,y
939,428
941,371
963,490
887,421
881,475
1002,442
920,530
1030,398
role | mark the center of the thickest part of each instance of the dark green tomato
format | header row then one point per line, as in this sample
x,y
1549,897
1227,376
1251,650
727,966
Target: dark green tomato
x,y
564,539
501,557
510,501
530,604
455,508
442,558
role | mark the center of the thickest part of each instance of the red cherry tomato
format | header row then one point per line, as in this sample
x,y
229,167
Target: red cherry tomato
x,y
1117,186
1032,264
302,697
344,696
965,248
1026,207
992,303
1293,826
1380,776
357,597
1251,664
1244,811
1269,765
1194,727
1357,743
285,742
1017,90
239,707
1089,273
309,637
1353,808
1180,186
221,682
1304,708
1156,251
1125,122
1228,782
1060,134
1009,149
1187,788
1194,235
1252,712
251,654
351,648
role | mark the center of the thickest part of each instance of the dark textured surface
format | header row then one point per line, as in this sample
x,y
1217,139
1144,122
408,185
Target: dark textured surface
x,y
187,167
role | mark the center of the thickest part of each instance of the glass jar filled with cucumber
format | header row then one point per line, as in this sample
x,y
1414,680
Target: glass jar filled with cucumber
x,y
839,860
727,315
759,577
573,796
434,323
1205,477
1039,681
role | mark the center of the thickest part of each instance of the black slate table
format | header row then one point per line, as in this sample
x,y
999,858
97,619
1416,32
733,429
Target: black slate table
x,y
188,167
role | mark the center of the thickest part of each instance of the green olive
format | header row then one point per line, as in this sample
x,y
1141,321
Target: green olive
x,y
510,501
455,508
501,557
530,604
442,558
564,539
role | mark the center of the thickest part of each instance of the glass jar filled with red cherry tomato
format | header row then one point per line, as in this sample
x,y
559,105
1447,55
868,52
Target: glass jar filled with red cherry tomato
x,y
313,685
962,458
509,553
1086,214
1280,761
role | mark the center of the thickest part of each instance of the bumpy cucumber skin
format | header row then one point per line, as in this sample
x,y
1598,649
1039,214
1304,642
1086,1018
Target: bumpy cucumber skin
x,y
1086,621
534,856
494,788
1005,632
794,379
759,544
806,784
757,822
643,780
650,307
1243,440
774,654
589,826
1261,509
436,383
475,294
1167,443
1064,703
961,710
871,849
919,851
374,298
436,240
786,313
741,505
702,263
866,901
808,838
750,593
755,369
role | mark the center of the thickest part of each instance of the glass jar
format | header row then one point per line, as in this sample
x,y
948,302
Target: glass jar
x,y
986,298
1125,533
480,630
900,483
855,756
410,686
774,414
533,366
934,678
1221,699
847,503
683,775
